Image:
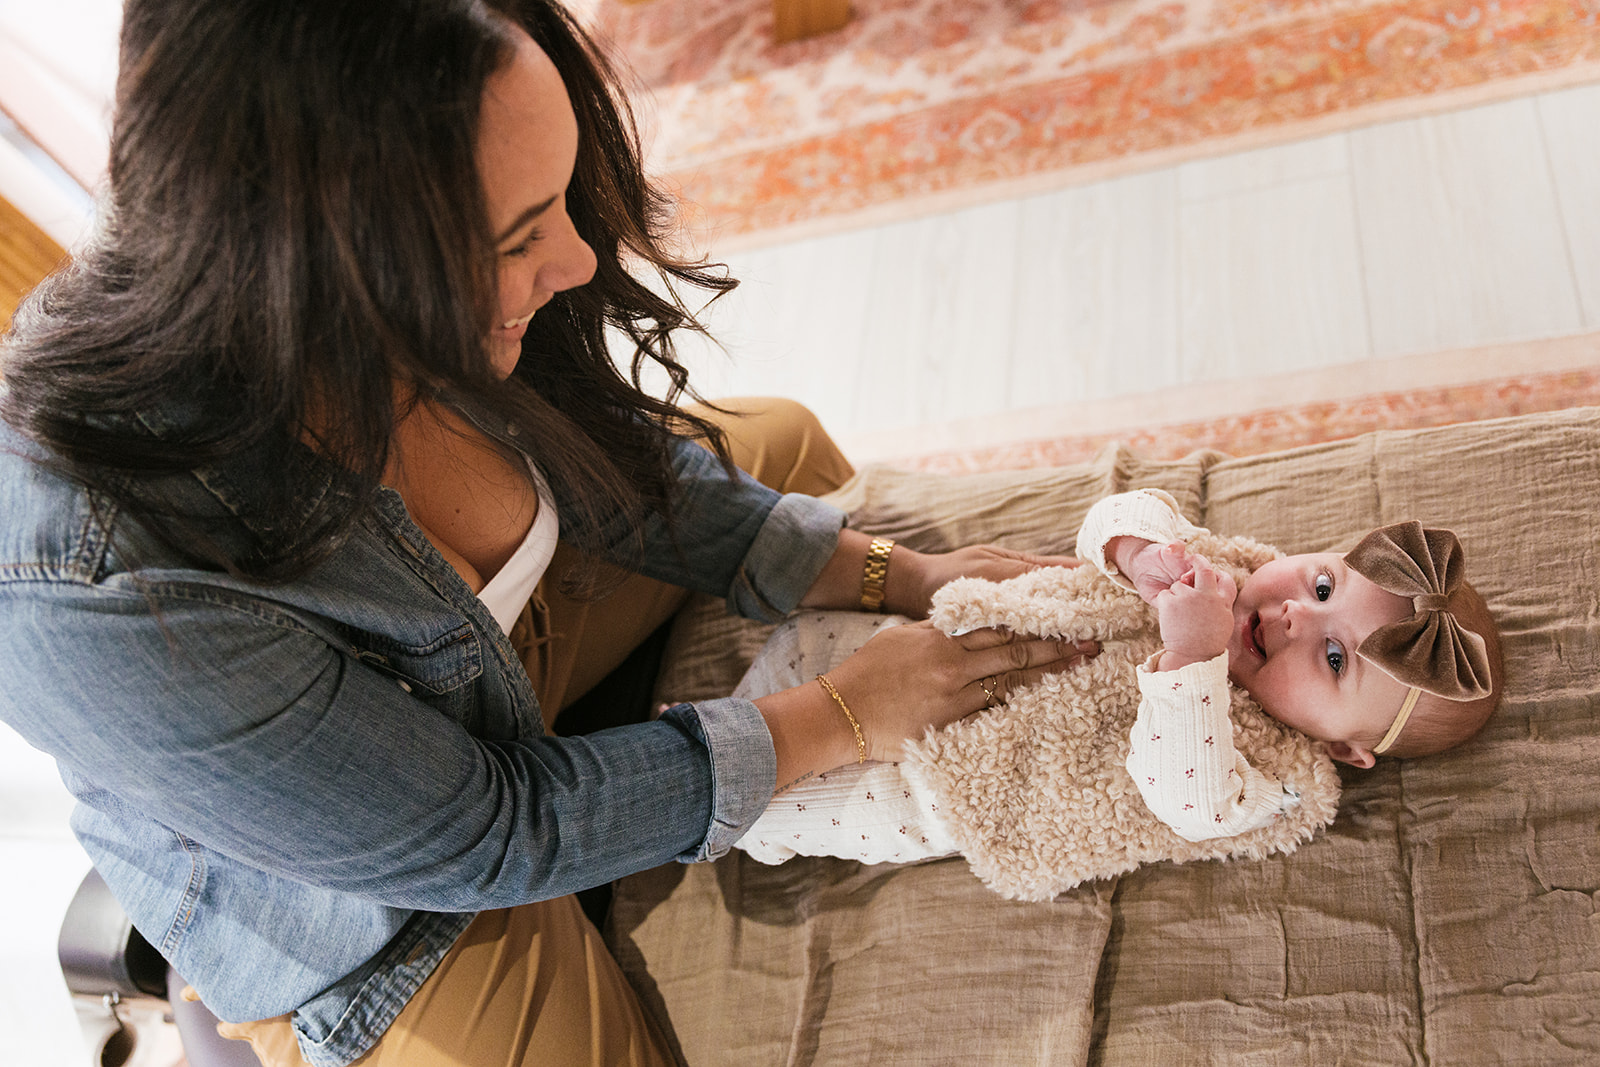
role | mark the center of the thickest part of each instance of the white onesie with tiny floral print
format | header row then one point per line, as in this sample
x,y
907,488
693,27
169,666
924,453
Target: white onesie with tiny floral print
x,y
1182,759
1181,746
866,812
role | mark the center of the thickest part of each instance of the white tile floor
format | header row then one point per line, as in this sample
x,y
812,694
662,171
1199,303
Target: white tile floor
x,y
1442,233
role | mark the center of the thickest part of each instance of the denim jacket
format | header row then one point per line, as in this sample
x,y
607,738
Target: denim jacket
x,y
302,792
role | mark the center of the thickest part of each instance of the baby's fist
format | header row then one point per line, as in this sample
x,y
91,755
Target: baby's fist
x,y
1196,615
1157,567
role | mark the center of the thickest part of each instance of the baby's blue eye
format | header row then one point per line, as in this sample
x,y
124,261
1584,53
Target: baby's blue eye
x,y
1323,586
1335,657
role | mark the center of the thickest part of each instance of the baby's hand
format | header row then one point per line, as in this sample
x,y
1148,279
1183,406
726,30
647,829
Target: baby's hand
x,y
1155,567
1196,615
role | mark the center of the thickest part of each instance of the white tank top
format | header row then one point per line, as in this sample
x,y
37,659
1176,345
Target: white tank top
x,y
506,593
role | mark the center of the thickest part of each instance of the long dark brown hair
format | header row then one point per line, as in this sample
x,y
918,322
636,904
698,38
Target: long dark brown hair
x,y
294,223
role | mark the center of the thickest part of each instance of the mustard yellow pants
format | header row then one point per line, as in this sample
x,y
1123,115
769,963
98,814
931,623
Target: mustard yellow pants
x,y
535,984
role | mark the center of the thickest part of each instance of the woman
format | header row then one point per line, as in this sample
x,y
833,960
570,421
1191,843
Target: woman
x,y
284,457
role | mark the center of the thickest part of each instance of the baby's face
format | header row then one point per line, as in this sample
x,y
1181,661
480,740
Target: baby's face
x,y
1296,625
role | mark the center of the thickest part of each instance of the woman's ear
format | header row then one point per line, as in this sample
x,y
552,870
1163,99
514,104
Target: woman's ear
x,y
1355,755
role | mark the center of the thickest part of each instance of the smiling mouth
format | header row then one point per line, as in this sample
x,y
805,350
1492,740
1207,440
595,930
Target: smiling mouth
x,y
1253,632
517,324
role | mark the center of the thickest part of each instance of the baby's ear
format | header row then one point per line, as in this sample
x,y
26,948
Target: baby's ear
x,y
1355,755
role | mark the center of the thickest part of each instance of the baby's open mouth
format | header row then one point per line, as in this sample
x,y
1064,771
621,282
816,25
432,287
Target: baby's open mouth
x,y
1254,633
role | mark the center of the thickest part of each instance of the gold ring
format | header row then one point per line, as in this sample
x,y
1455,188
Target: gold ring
x,y
990,684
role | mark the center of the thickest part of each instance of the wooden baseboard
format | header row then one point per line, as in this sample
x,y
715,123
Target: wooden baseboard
x,y
796,19
27,254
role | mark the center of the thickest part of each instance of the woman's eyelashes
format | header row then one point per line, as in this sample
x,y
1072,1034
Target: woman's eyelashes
x,y
525,246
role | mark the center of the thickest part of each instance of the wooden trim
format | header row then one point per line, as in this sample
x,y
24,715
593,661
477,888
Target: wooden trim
x,y
27,254
793,20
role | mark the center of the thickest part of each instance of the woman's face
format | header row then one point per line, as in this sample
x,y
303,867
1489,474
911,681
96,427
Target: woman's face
x,y
527,146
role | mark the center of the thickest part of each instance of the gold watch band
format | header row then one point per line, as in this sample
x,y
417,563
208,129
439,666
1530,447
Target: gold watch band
x,y
875,574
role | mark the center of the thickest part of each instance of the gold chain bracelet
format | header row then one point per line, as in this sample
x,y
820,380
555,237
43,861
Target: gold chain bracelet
x,y
861,742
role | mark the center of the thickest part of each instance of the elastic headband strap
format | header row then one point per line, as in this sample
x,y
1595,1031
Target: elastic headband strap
x,y
1399,721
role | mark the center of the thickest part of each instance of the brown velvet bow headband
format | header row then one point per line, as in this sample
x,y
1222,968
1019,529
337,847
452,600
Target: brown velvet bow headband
x,y
1431,651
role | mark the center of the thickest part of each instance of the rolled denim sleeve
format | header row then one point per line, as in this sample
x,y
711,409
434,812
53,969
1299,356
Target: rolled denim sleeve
x,y
264,743
790,550
743,768
736,538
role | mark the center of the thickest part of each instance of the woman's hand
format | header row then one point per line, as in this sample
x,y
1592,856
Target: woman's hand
x,y
908,678
915,576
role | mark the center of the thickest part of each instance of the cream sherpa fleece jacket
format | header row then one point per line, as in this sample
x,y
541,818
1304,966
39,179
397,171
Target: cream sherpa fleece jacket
x,y
1035,793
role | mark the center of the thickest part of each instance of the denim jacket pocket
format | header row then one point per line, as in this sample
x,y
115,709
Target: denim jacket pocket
x,y
450,661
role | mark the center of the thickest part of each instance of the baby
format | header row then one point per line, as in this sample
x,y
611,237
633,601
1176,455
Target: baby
x,y
1158,748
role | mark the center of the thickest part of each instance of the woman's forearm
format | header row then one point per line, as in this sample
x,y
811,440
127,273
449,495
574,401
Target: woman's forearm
x,y
839,586
810,733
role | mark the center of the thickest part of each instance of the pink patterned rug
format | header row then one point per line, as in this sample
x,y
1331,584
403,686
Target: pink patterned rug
x,y
1256,432
925,102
